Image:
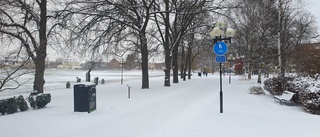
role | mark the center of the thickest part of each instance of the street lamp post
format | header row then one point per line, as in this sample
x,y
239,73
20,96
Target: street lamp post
x,y
231,58
220,33
122,67
259,73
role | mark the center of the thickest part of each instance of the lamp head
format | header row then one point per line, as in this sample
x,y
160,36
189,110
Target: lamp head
x,y
220,24
230,32
216,32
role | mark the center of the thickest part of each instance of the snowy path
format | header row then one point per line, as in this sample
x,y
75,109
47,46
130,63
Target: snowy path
x,y
188,109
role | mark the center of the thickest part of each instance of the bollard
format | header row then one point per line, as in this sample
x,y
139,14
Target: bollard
x,y
96,80
128,91
78,79
68,84
88,77
102,81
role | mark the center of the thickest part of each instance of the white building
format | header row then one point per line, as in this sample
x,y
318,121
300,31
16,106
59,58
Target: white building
x,y
69,63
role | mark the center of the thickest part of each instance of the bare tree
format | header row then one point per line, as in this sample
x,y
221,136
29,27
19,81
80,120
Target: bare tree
x,y
258,31
26,21
183,14
11,71
121,18
296,26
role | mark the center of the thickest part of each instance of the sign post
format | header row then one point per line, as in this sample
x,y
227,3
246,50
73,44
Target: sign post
x,y
220,48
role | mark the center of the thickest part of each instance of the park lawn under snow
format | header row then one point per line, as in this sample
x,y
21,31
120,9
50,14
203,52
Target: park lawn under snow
x,y
188,109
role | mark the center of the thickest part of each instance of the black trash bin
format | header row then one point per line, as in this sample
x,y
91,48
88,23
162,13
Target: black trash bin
x,y
85,97
199,74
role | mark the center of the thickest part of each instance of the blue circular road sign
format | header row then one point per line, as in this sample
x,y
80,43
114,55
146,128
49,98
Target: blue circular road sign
x,y
220,48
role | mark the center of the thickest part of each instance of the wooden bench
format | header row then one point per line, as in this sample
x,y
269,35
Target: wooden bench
x,y
285,97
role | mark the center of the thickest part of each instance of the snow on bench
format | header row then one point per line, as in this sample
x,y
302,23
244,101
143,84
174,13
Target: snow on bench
x,y
285,97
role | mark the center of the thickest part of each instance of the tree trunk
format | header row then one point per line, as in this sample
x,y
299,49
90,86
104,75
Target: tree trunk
x,y
39,75
185,67
182,64
144,63
189,54
167,69
250,71
166,45
41,51
175,64
189,61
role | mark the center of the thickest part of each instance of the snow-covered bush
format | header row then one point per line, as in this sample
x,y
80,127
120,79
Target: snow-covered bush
x,y
311,102
43,100
22,103
276,86
12,105
298,86
8,106
39,101
256,90
309,93
32,101
3,106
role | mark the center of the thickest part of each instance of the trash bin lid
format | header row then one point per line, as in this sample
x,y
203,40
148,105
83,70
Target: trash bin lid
x,y
85,84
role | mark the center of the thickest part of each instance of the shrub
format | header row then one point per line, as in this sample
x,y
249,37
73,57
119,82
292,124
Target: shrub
x,y
32,101
307,91
39,101
3,106
43,100
311,102
298,86
22,103
276,86
256,90
12,106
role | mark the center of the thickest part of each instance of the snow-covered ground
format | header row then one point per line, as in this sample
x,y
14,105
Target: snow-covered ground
x,y
188,109
57,78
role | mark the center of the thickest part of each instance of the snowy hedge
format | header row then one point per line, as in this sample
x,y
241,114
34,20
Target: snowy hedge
x,y
39,101
311,102
22,103
307,91
276,86
13,105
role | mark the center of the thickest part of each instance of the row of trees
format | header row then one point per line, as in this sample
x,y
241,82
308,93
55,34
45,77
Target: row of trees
x,y
142,26
269,30
176,29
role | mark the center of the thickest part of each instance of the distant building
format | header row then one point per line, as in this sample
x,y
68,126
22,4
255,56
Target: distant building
x,y
114,64
69,63
305,59
158,66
